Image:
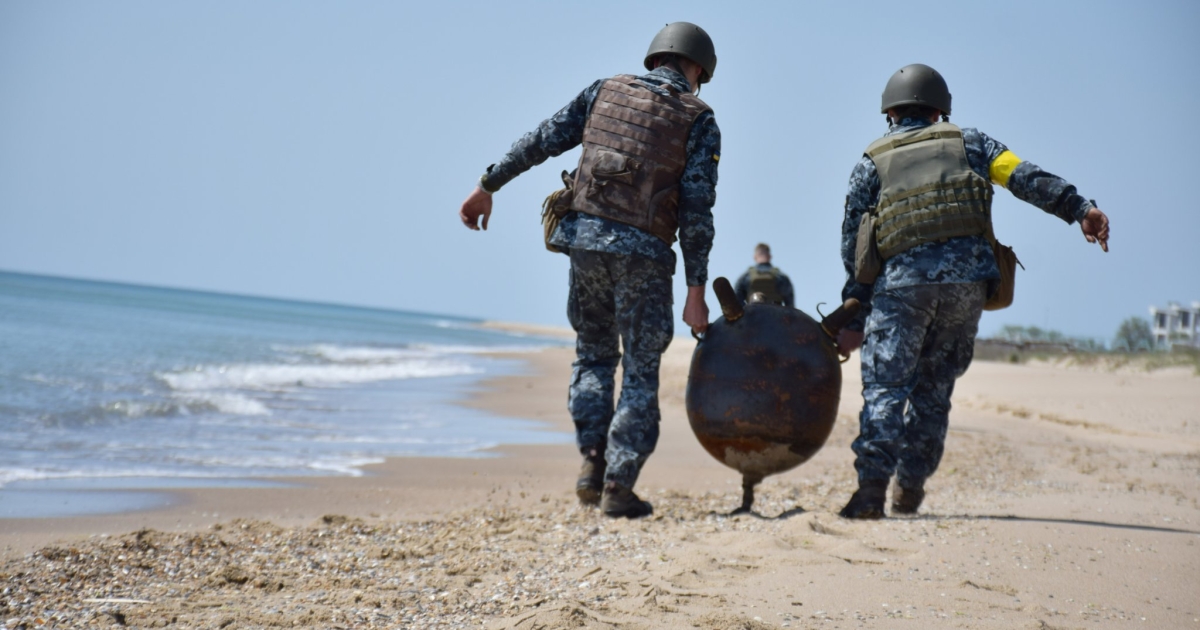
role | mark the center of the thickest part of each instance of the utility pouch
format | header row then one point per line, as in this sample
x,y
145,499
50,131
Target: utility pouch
x,y
611,166
1001,295
554,208
867,262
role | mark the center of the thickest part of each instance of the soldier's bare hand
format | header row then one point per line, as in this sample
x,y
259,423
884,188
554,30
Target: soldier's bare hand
x,y
1095,228
848,341
478,204
695,310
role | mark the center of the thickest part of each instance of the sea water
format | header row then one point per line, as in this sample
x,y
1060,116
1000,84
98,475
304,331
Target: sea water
x,y
113,387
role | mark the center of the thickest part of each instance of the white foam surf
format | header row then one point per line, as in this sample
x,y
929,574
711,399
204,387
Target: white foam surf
x,y
273,377
226,402
361,354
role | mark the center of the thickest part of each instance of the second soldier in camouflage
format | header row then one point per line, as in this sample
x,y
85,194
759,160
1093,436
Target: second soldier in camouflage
x,y
927,185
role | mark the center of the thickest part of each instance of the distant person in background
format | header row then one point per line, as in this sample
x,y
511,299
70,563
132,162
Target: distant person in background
x,y
765,279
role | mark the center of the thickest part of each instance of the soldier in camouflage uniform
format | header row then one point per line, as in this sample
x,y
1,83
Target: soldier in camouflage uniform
x,y
917,328
648,173
763,278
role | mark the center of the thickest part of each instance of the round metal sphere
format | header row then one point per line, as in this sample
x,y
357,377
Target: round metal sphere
x,y
763,391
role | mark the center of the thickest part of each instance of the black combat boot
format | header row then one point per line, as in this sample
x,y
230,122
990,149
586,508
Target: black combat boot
x,y
591,478
906,500
620,501
867,502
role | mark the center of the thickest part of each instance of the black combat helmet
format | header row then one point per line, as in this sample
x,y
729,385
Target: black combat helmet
x,y
688,41
916,84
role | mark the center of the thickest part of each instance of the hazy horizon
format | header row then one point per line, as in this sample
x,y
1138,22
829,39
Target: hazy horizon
x,y
1107,340
319,152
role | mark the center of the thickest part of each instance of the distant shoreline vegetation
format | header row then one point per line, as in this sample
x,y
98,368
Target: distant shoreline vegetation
x,y
1132,347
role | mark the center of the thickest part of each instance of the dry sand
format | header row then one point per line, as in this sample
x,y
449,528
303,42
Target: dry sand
x,y
1068,498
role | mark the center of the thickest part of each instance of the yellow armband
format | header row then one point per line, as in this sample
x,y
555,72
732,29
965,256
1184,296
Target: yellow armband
x,y
1002,167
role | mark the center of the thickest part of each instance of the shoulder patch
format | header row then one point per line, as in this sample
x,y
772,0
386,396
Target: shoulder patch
x,y
716,157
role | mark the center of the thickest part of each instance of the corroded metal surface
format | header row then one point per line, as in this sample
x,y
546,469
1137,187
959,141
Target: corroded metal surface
x,y
763,390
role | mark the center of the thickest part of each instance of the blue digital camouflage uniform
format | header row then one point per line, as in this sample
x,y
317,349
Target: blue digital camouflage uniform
x,y
922,313
630,296
783,284
621,283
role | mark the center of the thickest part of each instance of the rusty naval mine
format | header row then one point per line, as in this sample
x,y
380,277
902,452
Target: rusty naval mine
x,y
764,385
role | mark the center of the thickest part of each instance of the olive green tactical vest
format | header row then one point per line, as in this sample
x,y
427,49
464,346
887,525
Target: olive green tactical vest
x,y
634,153
766,283
928,191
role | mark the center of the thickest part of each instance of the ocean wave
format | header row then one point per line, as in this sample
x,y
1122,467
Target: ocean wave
x,y
334,438
372,354
60,381
440,349
352,468
134,409
181,404
452,325
209,468
263,461
273,377
365,354
226,402
11,475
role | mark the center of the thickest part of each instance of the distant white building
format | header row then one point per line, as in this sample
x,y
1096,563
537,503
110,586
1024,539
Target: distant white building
x,y
1176,325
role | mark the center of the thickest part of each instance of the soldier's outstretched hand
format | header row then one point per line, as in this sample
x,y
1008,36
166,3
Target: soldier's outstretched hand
x,y
1095,228
478,204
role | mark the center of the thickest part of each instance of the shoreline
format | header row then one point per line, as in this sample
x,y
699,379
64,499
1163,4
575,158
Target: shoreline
x,y
412,484
1066,498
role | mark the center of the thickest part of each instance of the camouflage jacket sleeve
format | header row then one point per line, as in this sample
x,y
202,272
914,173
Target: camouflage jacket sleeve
x,y
862,195
1028,182
554,136
697,195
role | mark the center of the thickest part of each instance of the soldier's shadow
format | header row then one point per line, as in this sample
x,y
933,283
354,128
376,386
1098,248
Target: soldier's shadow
x,y
786,514
796,511
1056,521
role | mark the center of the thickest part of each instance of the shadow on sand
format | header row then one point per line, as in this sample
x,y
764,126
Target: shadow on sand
x,y
796,511
1055,521
786,514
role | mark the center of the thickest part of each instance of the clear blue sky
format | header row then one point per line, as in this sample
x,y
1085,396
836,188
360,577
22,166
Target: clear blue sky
x,y
320,150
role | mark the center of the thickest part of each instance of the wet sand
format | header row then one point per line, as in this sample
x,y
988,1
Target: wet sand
x,y
1068,498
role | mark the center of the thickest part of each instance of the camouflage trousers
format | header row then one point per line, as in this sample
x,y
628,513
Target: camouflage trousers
x,y
618,301
917,341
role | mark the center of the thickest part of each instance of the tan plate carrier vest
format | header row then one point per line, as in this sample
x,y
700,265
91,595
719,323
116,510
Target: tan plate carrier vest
x,y
764,282
928,191
634,153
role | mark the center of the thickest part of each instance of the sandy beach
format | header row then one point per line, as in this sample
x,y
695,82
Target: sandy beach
x,y
1068,498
